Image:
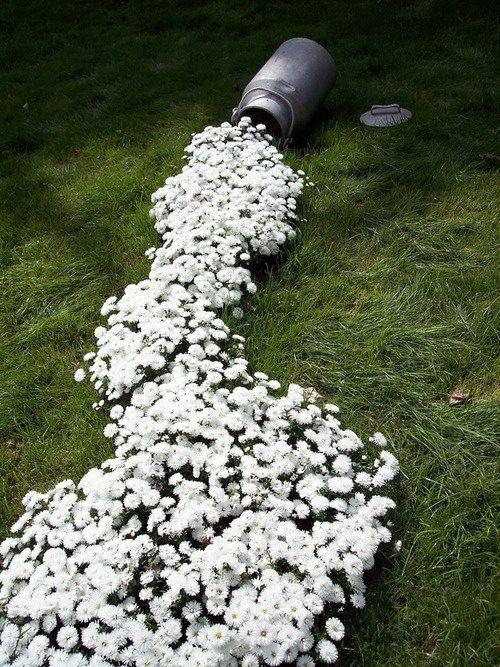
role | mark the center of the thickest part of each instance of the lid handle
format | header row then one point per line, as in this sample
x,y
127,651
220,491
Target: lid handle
x,y
385,109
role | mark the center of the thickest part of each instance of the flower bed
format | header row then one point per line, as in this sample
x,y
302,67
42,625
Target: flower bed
x,y
236,519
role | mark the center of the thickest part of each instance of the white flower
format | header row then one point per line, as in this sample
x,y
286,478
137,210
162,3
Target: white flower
x,y
358,600
191,610
218,635
335,629
67,637
79,375
327,651
264,634
273,654
379,439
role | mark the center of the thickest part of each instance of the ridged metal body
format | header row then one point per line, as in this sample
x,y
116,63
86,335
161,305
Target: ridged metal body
x,y
288,90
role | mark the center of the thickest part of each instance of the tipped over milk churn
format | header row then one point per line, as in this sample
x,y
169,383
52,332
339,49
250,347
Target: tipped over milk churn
x,y
288,90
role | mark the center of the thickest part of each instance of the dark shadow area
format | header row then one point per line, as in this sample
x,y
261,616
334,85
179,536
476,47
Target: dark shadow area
x,y
261,116
312,137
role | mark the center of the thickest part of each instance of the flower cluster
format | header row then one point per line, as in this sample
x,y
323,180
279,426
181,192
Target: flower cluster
x,y
236,519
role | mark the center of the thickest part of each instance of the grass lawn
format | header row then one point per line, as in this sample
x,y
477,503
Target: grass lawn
x,y
385,303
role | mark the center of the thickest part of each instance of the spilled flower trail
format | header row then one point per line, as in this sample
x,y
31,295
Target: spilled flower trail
x,y
236,520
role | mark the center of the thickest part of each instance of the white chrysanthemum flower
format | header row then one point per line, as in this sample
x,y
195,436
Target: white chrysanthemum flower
x,y
327,651
218,635
79,375
335,629
273,654
191,610
305,661
379,439
67,637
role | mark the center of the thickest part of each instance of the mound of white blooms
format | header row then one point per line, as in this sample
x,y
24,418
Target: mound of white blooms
x,y
235,521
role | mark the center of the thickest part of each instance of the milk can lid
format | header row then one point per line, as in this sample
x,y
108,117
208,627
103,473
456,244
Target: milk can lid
x,y
384,115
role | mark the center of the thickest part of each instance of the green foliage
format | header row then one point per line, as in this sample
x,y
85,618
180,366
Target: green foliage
x,y
385,303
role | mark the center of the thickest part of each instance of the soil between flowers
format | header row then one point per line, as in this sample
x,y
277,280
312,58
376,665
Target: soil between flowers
x,y
236,519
